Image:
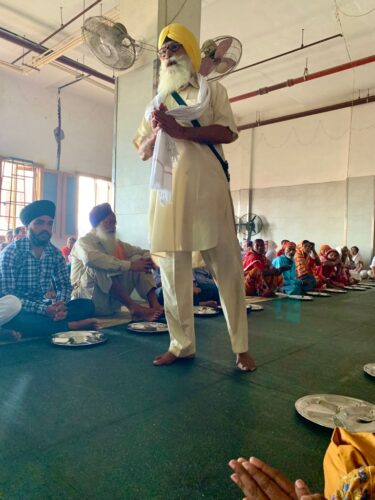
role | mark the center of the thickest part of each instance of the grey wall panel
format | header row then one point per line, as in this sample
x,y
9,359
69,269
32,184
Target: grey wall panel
x,y
361,214
318,212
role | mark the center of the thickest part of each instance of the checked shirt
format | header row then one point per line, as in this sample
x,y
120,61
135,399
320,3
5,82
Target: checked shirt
x,y
29,278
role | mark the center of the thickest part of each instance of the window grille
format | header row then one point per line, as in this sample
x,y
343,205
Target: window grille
x,y
19,185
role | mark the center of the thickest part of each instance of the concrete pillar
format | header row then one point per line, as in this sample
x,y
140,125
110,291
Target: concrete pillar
x,y
135,88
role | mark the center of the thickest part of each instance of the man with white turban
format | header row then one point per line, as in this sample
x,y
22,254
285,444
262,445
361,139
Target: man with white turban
x,y
190,207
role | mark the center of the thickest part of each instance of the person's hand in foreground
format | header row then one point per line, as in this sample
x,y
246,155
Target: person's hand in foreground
x,y
259,481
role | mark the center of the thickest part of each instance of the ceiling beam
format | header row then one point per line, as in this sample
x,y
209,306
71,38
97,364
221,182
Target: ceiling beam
x,y
40,49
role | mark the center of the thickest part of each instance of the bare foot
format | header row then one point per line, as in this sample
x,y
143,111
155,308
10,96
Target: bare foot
x,y
245,362
140,313
84,324
10,335
168,358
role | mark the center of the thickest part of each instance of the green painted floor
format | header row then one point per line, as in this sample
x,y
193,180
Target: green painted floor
x,y
104,423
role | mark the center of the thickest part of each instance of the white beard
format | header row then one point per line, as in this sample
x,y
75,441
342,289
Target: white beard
x,y
108,240
174,77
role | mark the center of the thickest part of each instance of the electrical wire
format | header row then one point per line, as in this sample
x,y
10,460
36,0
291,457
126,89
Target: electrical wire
x,y
178,12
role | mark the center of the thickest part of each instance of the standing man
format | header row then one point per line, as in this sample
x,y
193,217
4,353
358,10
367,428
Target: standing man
x,y
191,207
30,268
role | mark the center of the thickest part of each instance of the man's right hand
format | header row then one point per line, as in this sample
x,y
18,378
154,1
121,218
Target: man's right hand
x,y
143,265
57,311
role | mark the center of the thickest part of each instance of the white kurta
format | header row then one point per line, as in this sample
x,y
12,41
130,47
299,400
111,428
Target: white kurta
x,y
200,191
93,269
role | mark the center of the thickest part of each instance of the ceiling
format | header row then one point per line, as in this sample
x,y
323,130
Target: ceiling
x,y
266,28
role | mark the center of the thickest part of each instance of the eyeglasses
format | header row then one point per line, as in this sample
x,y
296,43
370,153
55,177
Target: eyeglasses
x,y
172,47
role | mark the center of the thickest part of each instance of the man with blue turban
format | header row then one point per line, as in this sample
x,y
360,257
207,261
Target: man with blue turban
x,y
191,211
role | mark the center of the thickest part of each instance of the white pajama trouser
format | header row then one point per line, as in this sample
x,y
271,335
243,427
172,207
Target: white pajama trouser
x,y
10,306
224,263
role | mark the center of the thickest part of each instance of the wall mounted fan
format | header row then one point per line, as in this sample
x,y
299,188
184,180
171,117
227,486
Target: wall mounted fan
x,y
220,56
110,42
249,225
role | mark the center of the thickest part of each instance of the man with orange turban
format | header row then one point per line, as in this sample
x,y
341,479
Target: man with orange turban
x,y
191,209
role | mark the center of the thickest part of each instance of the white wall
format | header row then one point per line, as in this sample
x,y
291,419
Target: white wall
x,y
28,116
311,178
135,91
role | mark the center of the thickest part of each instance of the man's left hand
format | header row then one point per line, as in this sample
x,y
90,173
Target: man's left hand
x,y
168,124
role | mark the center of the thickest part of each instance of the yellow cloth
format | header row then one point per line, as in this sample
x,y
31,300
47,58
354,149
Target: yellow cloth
x,y
200,191
346,453
185,37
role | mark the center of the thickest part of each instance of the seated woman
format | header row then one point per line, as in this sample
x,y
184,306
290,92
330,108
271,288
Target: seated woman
x,y
307,260
282,247
330,269
260,277
347,265
348,467
292,285
271,250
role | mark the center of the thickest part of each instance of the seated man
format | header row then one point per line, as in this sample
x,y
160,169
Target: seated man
x,y
206,292
30,268
358,272
107,270
19,232
292,285
260,277
8,239
371,272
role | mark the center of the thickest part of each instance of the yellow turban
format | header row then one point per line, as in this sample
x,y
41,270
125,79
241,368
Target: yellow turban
x,y
185,37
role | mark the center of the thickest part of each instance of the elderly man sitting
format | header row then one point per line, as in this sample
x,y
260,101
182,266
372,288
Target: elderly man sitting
x,y
29,269
292,285
107,270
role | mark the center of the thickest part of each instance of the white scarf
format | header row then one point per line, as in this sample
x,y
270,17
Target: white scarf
x,y
165,151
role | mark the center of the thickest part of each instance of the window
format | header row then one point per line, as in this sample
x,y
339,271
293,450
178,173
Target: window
x,y
91,191
19,185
